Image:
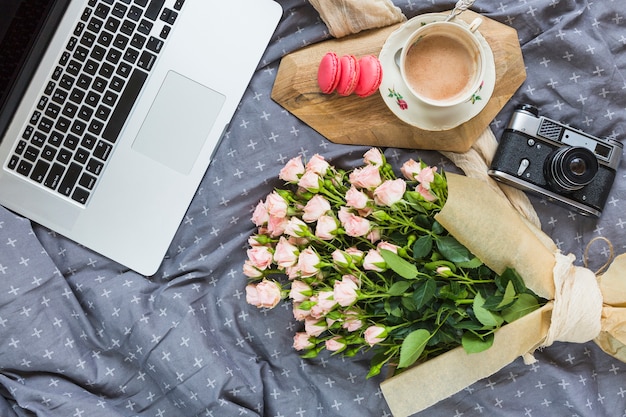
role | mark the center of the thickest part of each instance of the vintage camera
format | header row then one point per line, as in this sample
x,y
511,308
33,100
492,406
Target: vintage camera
x,y
550,159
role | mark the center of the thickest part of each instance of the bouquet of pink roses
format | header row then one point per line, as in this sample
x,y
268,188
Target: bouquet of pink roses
x,y
365,264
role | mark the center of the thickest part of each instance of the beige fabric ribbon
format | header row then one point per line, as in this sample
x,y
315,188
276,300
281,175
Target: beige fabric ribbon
x,y
344,17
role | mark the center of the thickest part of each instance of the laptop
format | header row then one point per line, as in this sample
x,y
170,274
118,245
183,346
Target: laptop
x,y
110,111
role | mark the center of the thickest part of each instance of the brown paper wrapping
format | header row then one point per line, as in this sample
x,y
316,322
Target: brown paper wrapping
x,y
491,229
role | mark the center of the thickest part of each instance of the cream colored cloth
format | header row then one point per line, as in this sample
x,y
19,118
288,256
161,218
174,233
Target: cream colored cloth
x,y
344,17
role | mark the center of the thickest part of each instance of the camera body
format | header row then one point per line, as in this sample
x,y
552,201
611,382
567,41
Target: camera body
x,y
550,159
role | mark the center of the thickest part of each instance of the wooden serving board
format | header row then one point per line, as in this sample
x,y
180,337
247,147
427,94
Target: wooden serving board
x,y
368,121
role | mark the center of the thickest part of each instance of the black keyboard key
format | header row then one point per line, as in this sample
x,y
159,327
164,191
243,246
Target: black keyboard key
x,y
128,27
99,84
98,53
120,41
24,168
79,28
154,9
86,14
70,110
21,145
168,16
146,60
94,166
41,104
114,56
64,156
119,10
145,26
179,4
57,73
48,153
88,39
112,24
95,25
28,131
34,118
138,41
77,95
62,124
13,162
71,44
49,88
52,111
91,67
95,127
54,176
71,142
87,181
103,112
102,11
80,195
67,82
124,105
109,98
131,55
106,70
92,99
165,31
116,84
45,124
123,69
78,127
134,13
88,141
55,139
85,113
81,53
142,3
154,44
105,38
81,156
70,179
31,153
38,139
59,96
84,81
102,150
40,170
73,67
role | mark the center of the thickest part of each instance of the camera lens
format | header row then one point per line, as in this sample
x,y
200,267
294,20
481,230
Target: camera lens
x,y
570,168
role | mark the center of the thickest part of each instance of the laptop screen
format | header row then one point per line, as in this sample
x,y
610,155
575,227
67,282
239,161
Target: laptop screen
x,y
26,26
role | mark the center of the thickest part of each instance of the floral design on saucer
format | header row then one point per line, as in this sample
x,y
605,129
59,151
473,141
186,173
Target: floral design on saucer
x,y
399,99
414,112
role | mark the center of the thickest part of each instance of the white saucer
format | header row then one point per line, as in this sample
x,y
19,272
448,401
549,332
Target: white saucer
x,y
415,112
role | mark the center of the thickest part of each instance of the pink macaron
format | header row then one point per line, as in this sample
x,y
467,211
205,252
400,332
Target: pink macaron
x,y
371,75
328,73
348,75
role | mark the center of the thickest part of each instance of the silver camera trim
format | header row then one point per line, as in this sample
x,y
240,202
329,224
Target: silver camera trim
x,y
525,122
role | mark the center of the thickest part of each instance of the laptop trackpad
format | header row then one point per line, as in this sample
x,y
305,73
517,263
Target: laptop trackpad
x,y
178,122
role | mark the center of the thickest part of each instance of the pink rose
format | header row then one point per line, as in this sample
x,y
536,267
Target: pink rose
x,y
300,291
296,228
374,335
314,327
308,262
341,259
276,205
425,192
390,192
426,176
354,225
324,303
373,261
373,157
260,257
292,171
356,199
345,291
285,254
335,344
301,341
300,314
310,181
410,169
314,208
388,246
264,294
260,216
352,323
356,254
276,225
318,165
250,270
326,227
367,177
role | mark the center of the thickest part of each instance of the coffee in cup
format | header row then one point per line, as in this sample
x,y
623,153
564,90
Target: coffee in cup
x,y
442,63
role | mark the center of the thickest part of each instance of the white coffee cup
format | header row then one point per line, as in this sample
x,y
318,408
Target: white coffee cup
x,y
443,63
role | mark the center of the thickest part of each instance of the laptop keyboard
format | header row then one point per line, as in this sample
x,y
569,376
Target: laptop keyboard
x,y
76,123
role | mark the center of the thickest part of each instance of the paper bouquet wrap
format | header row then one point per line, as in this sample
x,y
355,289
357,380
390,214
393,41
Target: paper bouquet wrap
x,y
582,307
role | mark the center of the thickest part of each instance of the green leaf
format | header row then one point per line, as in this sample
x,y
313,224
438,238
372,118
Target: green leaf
x,y
486,317
471,264
412,347
399,288
400,266
424,293
422,246
511,275
524,304
472,343
452,250
376,364
509,295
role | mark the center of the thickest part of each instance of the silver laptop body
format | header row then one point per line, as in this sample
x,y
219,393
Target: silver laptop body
x,y
199,67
